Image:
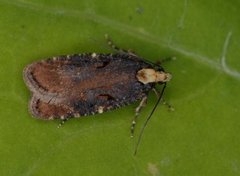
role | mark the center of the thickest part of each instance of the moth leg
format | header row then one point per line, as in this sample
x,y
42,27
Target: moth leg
x,y
137,111
169,106
64,120
114,47
156,92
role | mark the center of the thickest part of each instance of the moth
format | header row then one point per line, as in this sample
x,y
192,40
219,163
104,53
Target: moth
x,y
79,85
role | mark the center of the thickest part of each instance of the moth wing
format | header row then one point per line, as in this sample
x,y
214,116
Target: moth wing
x,y
49,76
46,111
71,76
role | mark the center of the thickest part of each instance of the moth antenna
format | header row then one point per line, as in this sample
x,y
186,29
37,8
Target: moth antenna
x,y
149,117
114,47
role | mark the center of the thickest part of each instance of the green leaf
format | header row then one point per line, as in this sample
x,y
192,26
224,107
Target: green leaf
x,y
201,137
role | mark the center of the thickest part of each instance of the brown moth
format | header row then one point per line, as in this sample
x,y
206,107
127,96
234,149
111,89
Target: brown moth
x,y
85,84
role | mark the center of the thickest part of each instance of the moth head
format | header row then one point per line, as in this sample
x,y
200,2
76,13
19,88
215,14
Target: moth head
x,y
149,75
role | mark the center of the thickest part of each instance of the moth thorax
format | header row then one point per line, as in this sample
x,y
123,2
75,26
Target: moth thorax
x,y
149,75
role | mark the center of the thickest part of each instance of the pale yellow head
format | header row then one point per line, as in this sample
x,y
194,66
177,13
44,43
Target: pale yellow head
x,y
149,75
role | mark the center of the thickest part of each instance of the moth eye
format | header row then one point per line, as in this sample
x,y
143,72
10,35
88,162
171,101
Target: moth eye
x,y
102,64
105,97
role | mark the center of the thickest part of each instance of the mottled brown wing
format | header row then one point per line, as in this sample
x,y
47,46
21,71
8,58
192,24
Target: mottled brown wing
x,y
62,78
48,111
54,77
